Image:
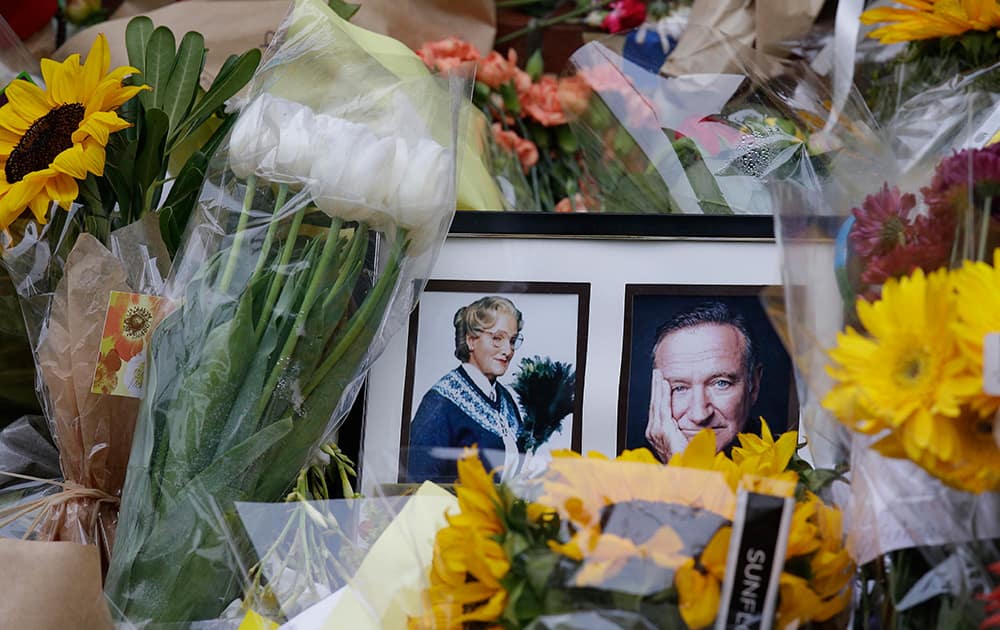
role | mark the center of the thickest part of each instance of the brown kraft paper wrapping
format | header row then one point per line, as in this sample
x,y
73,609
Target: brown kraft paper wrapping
x,y
93,431
763,24
51,586
234,26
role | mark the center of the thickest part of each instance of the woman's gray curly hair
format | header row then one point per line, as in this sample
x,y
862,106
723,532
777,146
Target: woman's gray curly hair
x,y
479,316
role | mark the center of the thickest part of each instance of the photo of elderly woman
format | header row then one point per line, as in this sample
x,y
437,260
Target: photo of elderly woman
x,y
502,390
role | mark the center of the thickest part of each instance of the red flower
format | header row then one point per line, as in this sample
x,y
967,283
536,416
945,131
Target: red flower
x,y
905,259
447,53
526,151
949,189
881,222
992,602
577,205
542,102
494,70
625,14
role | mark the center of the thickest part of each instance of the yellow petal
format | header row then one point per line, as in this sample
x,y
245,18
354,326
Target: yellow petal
x,y
98,126
96,66
29,101
62,189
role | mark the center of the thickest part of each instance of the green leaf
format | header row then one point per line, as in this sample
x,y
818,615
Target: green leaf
x,y
181,199
183,81
150,159
160,52
535,65
345,10
511,102
183,195
137,35
225,86
568,142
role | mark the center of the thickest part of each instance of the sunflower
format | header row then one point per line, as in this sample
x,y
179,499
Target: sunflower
x,y
51,138
904,371
759,462
816,535
931,19
468,562
699,584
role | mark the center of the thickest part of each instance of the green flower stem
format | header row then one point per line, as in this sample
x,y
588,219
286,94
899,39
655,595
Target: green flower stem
x,y
349,273
984,230
265,248
312,294
536,25
278,278
241,229
360,319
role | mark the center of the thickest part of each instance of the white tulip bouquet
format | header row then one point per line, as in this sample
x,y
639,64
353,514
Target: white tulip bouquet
x,y
315,232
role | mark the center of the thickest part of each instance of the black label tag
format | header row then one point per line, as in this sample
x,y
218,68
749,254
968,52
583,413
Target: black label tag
x,y
756,557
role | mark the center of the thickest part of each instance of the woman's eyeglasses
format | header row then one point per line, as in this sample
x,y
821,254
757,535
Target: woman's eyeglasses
x,y
499,339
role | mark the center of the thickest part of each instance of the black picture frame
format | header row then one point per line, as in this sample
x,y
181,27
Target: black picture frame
x,y
640,332
640,225
487,287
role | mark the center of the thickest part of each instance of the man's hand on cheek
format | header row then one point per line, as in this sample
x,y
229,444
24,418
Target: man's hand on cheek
x,y
661,429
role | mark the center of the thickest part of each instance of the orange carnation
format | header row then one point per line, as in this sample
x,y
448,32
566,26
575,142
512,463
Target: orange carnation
x,y
448,53
526,151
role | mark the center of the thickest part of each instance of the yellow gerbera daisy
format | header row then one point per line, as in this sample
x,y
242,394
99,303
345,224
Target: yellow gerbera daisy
x,y
930,19
905,369
51,138
977,289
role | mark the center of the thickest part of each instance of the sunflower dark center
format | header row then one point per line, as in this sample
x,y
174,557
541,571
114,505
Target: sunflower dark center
x,y
136,322
46,138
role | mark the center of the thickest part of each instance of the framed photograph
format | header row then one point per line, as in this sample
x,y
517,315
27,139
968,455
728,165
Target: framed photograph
x,y
500,365
700,356
512,254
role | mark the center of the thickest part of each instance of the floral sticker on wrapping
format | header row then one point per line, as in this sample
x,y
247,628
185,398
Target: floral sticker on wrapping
x,y
128,325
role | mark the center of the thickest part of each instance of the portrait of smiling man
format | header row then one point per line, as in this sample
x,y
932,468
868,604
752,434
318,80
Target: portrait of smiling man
x,y
708,363
705,376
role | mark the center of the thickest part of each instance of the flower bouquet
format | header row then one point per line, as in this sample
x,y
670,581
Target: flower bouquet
x,y
592,542
942,80
82,203
628,542
321,218
888,262
532,148
691,143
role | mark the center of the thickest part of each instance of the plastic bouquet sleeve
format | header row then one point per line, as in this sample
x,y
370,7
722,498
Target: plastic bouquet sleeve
x,y
686,143
358,562
880,251
318,225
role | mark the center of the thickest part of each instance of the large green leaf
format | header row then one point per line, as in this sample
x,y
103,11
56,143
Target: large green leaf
x,y
225,86
198,416
137,35
180,86
160,52
149,162
183,195
344,9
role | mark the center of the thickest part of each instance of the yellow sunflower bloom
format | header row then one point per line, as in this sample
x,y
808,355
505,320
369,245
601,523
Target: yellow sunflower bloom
x,y
699,589
468,562
931,19
51,138
759,462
